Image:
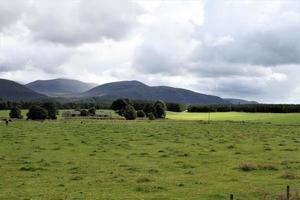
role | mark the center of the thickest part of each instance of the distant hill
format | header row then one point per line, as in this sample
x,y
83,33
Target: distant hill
x,y
10,90
138,90
65,88
240,101
60,87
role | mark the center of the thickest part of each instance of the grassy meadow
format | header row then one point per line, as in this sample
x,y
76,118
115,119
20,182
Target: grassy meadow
x,y
276,118
161,159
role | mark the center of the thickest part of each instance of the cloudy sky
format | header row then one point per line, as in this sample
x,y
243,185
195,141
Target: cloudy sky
x,y
231,48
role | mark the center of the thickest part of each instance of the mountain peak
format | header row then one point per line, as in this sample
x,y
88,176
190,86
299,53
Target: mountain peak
x,y
60,87
127,83
140,91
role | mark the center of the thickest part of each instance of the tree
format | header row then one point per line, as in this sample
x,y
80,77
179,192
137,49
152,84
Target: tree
x,y
119,106
160,109
84,113
141,114
92,111
52,110
130,113
151,116
15,113
149,108
175,107
37,113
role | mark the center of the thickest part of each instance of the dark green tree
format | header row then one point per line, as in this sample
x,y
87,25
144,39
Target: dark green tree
x,y
52,110
37,113
151,116
119,106
141,114
160,109
15,113
130,113
149,108
92,111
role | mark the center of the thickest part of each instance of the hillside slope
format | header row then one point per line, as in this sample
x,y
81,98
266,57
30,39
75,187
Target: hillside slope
x,y
11,90
138,90
60,87
240,101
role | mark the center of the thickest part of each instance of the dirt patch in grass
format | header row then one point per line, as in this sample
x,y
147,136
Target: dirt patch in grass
x,y
252,167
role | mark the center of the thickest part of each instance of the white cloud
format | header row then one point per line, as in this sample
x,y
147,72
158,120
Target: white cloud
x,y
246,49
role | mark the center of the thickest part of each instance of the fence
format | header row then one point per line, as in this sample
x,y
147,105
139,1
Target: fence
x,y
286,196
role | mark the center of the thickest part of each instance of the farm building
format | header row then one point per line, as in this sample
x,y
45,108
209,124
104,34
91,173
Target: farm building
x,y
71,113
103,114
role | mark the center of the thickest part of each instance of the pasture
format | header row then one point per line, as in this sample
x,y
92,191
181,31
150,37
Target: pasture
x,y
162,159
276,118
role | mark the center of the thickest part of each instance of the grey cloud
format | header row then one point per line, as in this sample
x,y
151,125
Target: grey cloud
x,y
220,69
239,88
75,22
153,59
11,11
269,48
250,36
20,56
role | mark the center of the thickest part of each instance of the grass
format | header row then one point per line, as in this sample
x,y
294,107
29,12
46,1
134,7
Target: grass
x,y
277,118
161,159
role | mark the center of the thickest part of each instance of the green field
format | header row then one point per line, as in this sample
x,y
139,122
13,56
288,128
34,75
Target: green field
x,y
277,118
162,159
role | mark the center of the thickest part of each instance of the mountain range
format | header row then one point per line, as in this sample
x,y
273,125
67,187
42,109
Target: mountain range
x,y
11,90
68,88
60,87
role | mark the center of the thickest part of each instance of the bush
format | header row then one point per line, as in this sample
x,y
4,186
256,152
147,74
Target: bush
x,y
37,113
92,111
151,116
130,113
52,109
160,109
141,114
84,113
15,113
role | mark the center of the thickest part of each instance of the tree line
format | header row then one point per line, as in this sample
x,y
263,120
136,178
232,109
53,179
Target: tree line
x,y
86,104
142,109
260,108
6,105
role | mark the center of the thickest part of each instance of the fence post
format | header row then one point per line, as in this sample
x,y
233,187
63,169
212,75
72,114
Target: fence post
x,y
231,196
288,192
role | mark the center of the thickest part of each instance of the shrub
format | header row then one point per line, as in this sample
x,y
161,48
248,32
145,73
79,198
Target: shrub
x,y
15,113
84,113
92,111
141,114
52,109
151,116
37,113
130,113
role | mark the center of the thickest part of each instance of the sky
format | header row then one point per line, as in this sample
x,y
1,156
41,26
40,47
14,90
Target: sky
x,y
246,49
